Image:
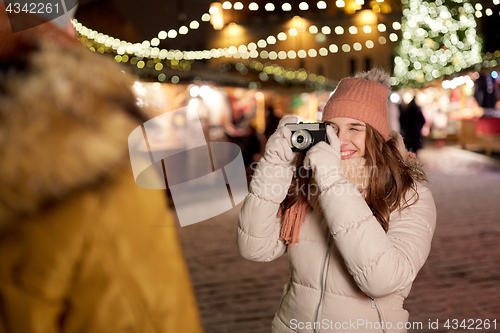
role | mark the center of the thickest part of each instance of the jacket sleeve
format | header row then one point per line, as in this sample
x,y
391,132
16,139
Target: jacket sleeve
x,y
258,225
380,263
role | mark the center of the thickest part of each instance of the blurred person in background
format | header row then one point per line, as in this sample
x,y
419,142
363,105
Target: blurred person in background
x,y
273,117
251,149
412,121
485,91
78,244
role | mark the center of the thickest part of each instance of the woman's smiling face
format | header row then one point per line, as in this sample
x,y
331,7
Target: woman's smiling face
x,y
352,134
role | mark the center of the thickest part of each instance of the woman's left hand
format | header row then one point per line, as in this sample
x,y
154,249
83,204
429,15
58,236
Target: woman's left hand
x,y
324,160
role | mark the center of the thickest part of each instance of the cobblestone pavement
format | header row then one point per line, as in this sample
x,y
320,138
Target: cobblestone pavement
x,y
461,279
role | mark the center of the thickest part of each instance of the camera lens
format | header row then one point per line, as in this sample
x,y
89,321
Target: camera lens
x,y
302,139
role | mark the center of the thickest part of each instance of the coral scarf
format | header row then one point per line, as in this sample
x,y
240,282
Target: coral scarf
x,y
355,171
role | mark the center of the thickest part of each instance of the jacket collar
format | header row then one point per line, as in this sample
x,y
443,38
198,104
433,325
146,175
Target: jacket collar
x,y
65,117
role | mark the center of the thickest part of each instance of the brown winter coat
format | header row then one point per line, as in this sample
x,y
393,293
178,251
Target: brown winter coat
x,y
347,274
82,247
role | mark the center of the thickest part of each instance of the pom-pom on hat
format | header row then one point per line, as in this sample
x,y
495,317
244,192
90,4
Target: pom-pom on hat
x,y
360,99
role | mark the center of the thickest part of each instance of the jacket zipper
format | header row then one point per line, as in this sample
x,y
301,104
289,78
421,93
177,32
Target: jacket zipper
x,y
323,280
375,306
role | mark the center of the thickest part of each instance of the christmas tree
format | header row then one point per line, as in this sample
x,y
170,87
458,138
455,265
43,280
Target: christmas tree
x,y
438,38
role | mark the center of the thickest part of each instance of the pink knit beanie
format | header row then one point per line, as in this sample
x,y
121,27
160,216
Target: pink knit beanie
x,y
360,99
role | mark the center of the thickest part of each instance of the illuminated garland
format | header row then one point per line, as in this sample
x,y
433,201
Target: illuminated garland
x,y
268,70
147,54
149,48
349,6
356,5
145,49
280,74
304,6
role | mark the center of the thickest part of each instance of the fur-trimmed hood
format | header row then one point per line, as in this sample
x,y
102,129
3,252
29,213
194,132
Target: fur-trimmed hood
x,y
65,116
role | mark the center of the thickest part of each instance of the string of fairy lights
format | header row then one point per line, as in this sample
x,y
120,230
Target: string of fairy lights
x,y
148,53
303,6
244,51
267,70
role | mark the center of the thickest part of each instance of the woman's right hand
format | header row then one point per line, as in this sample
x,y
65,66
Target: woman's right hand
x,y
279,147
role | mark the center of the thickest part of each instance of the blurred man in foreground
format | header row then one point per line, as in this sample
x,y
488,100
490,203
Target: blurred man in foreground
x,y
80,246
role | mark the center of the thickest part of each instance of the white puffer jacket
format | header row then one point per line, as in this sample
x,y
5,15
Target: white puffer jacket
x,y
347,274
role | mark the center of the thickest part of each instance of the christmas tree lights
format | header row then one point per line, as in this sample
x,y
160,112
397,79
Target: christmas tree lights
x,y
438,38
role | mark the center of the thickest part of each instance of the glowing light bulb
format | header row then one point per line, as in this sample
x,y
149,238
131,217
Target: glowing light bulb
x,y
162,34
321,5
333,48
271,40
312,53
253,6
394,97
155,42
194,25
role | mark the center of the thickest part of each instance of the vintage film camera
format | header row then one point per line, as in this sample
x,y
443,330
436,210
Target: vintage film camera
x,y
305,135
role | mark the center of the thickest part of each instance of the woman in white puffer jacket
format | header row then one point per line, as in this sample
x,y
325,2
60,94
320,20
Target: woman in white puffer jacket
x,y
353,214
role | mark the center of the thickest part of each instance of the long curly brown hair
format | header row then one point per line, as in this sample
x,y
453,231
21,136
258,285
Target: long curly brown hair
x,y
389,179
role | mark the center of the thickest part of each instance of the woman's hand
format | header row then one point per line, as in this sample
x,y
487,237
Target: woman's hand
x,y
273,175
278,148
324,160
